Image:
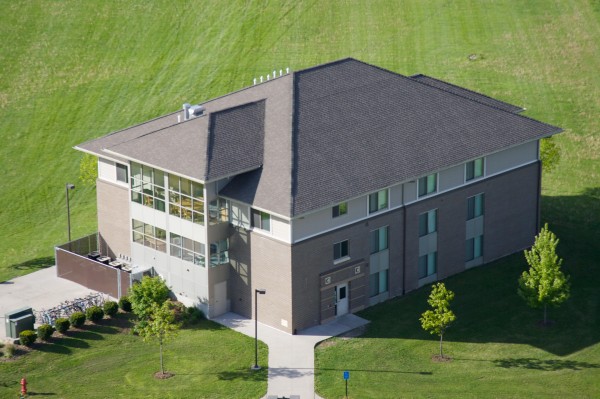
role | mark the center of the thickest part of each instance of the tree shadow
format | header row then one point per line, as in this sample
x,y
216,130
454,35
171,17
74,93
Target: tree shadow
x,y
32,265
243,375
71,342
53,348
487,305
544,365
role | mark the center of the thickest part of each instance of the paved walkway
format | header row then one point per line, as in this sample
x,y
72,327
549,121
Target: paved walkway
x,y
38,290
292,357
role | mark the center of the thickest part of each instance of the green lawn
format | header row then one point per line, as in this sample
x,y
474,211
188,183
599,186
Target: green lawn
x,y
73,70
209,361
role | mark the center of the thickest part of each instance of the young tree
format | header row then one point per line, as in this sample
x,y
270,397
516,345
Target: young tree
x,y
161,326
437,320
544,283
88,170
549,154
143,295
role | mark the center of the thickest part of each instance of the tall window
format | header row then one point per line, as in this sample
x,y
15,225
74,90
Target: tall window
x,y
219,253
149,236
474,169
379,240
339,210
474,248
378,201
427,264
475,206
378,283
261,220
427,185
186,199
186,249
122,173
218,211
148,186
427,223
340,250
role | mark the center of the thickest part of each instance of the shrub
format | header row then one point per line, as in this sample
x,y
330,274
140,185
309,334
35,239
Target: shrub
x,y
125,304
111,308
45,331
27,337
62,325
193,315
9,350
94,314
178,310
77,319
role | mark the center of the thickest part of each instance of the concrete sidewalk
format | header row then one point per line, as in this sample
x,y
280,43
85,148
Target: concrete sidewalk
x,y
291,357
38,290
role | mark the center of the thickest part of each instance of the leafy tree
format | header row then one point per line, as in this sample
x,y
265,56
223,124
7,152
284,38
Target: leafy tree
x,y
88,170
544,283
549,154
160,325
150,291
438,319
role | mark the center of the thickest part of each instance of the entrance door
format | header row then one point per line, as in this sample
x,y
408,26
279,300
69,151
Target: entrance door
x,y
220,298
341,304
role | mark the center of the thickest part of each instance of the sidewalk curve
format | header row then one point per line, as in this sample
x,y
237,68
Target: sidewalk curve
x,y
291,357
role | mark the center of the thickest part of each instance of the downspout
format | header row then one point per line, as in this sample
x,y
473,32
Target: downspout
x,y
539,191
403,243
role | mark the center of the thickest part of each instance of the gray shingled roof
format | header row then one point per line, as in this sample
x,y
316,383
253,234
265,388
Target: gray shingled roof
x,y
326,134
466,93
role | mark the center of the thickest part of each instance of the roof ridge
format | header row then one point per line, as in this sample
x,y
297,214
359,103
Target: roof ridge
x,y
465,89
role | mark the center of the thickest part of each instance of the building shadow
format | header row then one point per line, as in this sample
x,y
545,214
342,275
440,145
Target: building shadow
x,y
544,365
487,305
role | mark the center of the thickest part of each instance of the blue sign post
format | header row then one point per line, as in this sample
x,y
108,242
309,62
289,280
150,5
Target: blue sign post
x,y
346,377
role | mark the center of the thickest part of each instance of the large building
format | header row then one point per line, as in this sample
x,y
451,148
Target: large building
x,y
333,188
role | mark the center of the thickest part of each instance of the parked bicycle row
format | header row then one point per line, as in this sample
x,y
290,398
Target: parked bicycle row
x,y
67,308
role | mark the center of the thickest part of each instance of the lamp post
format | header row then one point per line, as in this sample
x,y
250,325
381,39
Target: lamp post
x,y
68,187
256,292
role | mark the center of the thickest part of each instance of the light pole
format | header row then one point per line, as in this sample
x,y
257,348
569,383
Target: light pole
x,y
256,292
68,187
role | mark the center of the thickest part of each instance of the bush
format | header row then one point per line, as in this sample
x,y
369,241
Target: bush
x,y
45,331
193,315
77,319
27,337
178,310
111,308
94,314
125,304
9,350
62,325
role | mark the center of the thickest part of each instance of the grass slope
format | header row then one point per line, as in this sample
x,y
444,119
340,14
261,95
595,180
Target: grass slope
x,y
209,361
72,71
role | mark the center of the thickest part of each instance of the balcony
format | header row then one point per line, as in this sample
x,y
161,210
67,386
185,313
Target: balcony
x,y
82,262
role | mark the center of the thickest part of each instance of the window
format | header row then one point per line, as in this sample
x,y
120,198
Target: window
x,y
427,185
149,236
261,220
186,249
378,283
219,253
427,264
218,211
122,173
474,169
427,223
340,250
186,199
148,186
474,248
379,240
378,201
339,210
475,206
